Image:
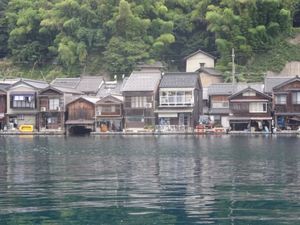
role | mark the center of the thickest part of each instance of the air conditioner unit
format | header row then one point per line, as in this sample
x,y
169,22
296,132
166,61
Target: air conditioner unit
x,y
43,109
99,113
148,105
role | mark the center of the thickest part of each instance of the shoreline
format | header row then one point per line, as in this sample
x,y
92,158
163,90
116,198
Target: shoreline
x,y
63,133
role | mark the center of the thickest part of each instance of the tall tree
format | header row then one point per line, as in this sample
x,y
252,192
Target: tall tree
x,y
3,29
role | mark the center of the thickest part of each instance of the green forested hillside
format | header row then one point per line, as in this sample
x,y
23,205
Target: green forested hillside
x,y
51,38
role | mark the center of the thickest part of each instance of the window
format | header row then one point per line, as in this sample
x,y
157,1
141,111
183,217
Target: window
x,y
280,99
220,104
176,98
138,102
296,98
22,101
52,120
257,107
107,109
249,93
53,103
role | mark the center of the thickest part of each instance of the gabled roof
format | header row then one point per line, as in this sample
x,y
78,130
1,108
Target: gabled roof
x,y
273,81
199,51
3,86
36,83
61,90
179,80
116,98
69,90
287,82
90,99
210,71
142,81
249,89
32,83
69,82
229,88
90,84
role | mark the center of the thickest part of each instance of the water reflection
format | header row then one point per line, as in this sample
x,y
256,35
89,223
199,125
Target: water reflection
x,y
149,180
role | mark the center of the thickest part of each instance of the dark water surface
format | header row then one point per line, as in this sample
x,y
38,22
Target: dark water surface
x,y
150,180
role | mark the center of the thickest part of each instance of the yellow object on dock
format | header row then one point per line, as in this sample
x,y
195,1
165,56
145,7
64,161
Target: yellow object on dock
x,y
26,128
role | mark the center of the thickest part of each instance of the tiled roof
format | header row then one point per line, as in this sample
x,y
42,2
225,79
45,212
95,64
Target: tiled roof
x,y
179,80
221,89
199,51
229,89
142,81
90,84
156,65
110,88
67,90
3,86
36,83
210,71
66,82
90,99
272,81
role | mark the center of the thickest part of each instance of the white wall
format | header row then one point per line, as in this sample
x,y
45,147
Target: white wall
x,y
193,63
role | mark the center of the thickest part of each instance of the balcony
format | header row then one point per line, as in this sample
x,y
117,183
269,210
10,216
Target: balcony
x,y
176,100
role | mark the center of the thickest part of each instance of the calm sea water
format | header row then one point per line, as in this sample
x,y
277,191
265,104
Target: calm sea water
x,y
150,180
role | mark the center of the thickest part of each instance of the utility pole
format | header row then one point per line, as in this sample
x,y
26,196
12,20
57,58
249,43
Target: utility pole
x,y
233,66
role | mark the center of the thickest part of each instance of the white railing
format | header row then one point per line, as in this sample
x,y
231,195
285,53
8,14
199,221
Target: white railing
x,y
175,100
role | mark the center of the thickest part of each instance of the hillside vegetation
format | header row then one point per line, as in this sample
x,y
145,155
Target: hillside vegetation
x,y
45,39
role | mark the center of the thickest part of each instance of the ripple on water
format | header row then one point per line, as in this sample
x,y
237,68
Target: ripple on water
x,y
150,180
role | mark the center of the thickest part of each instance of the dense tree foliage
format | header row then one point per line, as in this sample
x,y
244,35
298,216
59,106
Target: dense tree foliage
x,y
125,32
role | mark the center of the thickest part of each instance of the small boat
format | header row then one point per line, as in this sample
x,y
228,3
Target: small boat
x,y
26,128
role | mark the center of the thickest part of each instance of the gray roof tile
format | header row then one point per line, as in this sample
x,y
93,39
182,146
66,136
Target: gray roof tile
x,y
272,81
90,84
66,82
110,88
210,71
179,80
229,89
142,81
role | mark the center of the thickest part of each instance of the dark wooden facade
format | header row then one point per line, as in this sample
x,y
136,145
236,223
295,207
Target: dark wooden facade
x,y
2,109
109,114
51,115
286,104
250,110
141,114
81,109
80,113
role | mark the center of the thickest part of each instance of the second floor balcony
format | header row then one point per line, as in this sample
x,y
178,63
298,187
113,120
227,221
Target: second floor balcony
x,y
176,100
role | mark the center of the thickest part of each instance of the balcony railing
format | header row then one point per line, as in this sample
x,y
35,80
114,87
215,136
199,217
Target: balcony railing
x,y
176,100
